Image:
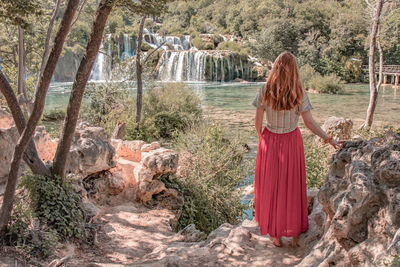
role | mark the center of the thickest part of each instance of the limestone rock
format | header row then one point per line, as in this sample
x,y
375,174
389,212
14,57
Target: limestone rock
x,y
91,152
116,184
6,120
45,146
338,128
90,209
154,164
8,139
361,199
191,234
130,150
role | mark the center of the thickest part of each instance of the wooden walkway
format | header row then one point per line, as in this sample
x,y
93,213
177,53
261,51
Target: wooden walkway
x,y
391,73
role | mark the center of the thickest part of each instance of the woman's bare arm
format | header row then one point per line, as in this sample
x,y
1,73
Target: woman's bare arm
x,y
258,120
316,129
313,125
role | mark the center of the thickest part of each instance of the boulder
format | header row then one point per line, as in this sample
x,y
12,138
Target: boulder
x,y
130,150
338,128
361,200
46,147
154,164
8,140
191,234
6,120
91,152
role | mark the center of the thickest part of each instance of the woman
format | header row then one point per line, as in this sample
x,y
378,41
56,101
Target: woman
x,y
280,179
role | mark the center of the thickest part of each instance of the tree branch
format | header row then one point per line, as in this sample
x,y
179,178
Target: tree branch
x,y
152,52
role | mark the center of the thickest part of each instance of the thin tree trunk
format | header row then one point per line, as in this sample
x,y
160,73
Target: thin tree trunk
x,y
21,67
372,85
46,51
40,97
31,156
139,82
78,88
380,63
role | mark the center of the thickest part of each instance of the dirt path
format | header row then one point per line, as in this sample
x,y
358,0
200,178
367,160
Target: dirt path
x,y
133,235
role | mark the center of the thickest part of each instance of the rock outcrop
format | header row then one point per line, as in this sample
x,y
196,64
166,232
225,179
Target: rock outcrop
x,y
91,152
361,199
45,145
338,128
8,140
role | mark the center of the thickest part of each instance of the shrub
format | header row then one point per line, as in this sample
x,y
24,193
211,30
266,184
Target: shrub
x,y
199,43
317,159
329,84
55,204
166,109
306,73
214,167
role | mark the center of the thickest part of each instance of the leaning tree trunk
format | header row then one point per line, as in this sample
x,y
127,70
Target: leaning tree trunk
x,y
31,156
22,95
40,97
46,51
78,88
372,85
139,82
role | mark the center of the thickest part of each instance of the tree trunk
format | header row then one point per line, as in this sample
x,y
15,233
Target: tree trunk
x,y
40,97
22,96
46,51
78,88
31,156
139,82
372,85
380,63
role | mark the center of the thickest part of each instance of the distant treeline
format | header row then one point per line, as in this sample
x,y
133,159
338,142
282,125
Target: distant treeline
x,y
331,36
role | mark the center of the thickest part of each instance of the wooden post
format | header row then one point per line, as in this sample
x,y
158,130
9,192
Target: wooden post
x,y
385,79
396,82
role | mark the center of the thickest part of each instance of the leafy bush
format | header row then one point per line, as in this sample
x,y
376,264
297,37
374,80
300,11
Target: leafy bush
x,y
199,43
213,168
317,159
55,204
306,73
233,46
166,109
329,84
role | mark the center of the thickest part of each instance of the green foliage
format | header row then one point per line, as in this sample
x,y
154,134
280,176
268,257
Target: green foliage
x,y
17,12
24,231
199,43
317,159
306,73
213,168
56,204
166,109
328,84
234,46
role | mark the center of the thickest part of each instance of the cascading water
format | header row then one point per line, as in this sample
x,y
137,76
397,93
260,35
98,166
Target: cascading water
x,y
99,69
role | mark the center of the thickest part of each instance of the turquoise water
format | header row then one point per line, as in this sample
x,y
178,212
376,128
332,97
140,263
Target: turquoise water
x,y
237,97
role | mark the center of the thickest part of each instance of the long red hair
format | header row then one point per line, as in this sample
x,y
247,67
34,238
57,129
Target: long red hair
x,y
283,90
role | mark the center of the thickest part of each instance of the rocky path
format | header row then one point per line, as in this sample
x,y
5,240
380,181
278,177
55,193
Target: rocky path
x,y
133,235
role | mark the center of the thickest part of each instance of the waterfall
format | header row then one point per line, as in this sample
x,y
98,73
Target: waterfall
x,y
222,70
179,68
98,71
229,68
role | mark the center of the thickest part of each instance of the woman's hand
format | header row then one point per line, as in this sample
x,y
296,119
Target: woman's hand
x,y
334,143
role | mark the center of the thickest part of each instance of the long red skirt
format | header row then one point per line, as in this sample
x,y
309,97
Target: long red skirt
x,y
280,190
